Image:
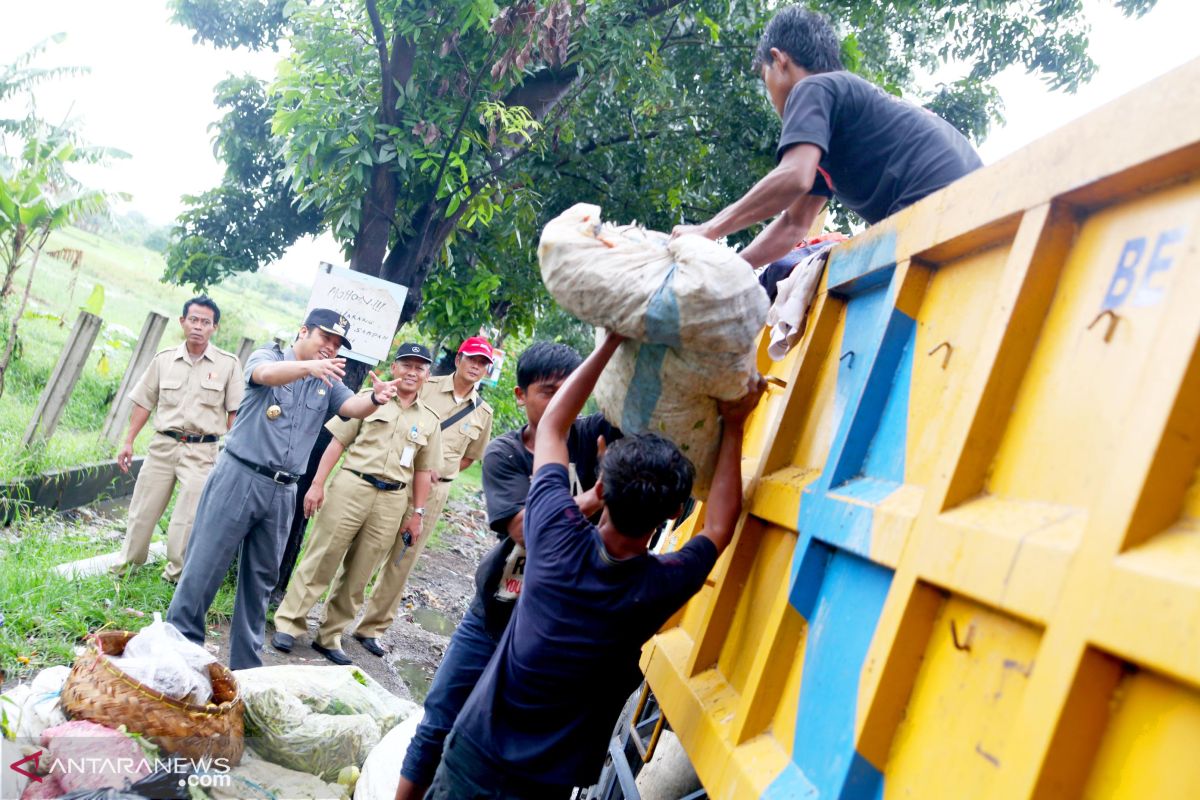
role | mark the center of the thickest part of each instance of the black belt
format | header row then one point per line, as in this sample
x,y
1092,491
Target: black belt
x,y
191,438
383,486
286,478
446,480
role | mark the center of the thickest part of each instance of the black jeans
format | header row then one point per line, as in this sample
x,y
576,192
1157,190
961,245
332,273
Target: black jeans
x,y
466,774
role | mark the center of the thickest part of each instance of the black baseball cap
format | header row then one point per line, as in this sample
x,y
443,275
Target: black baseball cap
x,y
413,350
329,321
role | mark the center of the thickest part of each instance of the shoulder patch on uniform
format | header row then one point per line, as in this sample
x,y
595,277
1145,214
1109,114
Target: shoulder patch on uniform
x,y
166,350
486,406
223,352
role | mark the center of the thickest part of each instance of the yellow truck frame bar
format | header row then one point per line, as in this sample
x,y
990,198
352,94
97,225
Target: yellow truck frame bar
x,y
970,560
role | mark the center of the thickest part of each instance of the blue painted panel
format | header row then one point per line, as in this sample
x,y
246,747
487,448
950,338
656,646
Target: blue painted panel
x,y
841,622
862,263
886,454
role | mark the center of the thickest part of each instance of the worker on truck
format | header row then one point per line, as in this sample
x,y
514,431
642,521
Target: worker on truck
x,y
538,721
842,137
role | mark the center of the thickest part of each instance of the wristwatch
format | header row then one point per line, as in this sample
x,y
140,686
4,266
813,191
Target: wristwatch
x,y
419,511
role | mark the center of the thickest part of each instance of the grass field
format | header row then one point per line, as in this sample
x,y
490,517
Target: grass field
x,y
47,615
251,305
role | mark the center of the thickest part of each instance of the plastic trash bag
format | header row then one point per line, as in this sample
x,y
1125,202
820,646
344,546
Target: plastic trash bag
x,y
113,759
317,719
256,779
160,657
332,690
381,773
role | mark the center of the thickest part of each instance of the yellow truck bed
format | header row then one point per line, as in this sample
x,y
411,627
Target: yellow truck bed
x,y
970,560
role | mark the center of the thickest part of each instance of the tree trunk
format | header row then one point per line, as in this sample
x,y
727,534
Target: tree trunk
x,y
11,344
10,269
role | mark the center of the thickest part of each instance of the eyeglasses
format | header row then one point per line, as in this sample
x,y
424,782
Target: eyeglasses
x,y
203,322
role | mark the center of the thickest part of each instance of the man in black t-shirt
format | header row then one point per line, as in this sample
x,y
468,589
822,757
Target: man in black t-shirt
x,y
842,137
507,468
539,720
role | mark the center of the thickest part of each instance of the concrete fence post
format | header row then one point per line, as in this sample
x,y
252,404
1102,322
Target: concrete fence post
x,y
62,381
244,350
139,360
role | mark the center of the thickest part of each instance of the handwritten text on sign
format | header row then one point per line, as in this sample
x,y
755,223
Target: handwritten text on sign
x,y
371,306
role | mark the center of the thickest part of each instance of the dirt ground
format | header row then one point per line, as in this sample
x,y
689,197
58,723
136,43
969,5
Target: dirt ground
x,y
435,599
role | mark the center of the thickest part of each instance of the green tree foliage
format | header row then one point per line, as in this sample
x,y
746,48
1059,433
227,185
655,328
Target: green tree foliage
x,y
435,138
253,216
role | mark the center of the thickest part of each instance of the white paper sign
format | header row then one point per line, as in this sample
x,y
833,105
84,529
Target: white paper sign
x,y
371,306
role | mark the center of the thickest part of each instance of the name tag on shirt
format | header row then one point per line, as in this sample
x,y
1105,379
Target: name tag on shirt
x,y
406,456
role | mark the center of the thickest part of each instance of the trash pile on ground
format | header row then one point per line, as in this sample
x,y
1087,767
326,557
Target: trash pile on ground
x,y
151,715
692,311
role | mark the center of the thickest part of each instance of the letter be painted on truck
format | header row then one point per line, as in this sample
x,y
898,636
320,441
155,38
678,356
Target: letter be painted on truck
x,y
1142,285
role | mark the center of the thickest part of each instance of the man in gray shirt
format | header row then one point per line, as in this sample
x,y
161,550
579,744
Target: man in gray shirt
x,y
250,495
842,137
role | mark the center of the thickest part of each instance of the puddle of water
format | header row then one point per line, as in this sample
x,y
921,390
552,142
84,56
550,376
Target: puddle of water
x,y
414,677
434,621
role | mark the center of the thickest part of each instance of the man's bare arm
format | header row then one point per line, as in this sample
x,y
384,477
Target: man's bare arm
x,y
314,498
791,180
725,496
362,405
137,420
778,238
550,447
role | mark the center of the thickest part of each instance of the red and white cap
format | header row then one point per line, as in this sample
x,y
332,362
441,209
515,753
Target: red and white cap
x,y
477,346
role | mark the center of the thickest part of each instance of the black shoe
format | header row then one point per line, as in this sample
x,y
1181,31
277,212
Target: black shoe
x,y
336,656
282,641
371,645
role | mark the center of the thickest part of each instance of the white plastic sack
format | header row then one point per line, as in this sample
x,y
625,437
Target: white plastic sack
x,y
332,690
163,659
256,779
691,308
317,719
381,772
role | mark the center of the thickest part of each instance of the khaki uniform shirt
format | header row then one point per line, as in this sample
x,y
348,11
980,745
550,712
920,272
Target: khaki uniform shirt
x,y
392,442
191,397
467,437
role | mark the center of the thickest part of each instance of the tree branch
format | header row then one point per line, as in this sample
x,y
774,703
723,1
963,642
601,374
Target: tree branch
x,y
389,89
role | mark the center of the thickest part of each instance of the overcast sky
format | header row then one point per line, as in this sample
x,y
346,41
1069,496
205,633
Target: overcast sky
x,y
150,90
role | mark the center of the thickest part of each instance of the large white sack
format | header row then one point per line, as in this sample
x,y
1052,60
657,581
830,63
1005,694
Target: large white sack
x,y
692,310
690,293
381,772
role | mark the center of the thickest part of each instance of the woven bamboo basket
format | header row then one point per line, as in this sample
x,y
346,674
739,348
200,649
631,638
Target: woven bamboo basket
x,y
97,690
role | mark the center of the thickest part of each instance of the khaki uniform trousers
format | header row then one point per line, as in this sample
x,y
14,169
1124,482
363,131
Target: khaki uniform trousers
x,y
167,462
389,586
353,531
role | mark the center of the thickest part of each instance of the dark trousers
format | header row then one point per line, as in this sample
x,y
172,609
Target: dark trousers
x,y
291,549
241,515
466,657
466,773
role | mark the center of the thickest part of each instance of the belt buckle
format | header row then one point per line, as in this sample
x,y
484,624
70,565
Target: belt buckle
x,y
275,477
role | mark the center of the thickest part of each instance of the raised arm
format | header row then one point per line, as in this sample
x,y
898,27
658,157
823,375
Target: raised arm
x,y
364,405
724,504
779,189
550,447
278,373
